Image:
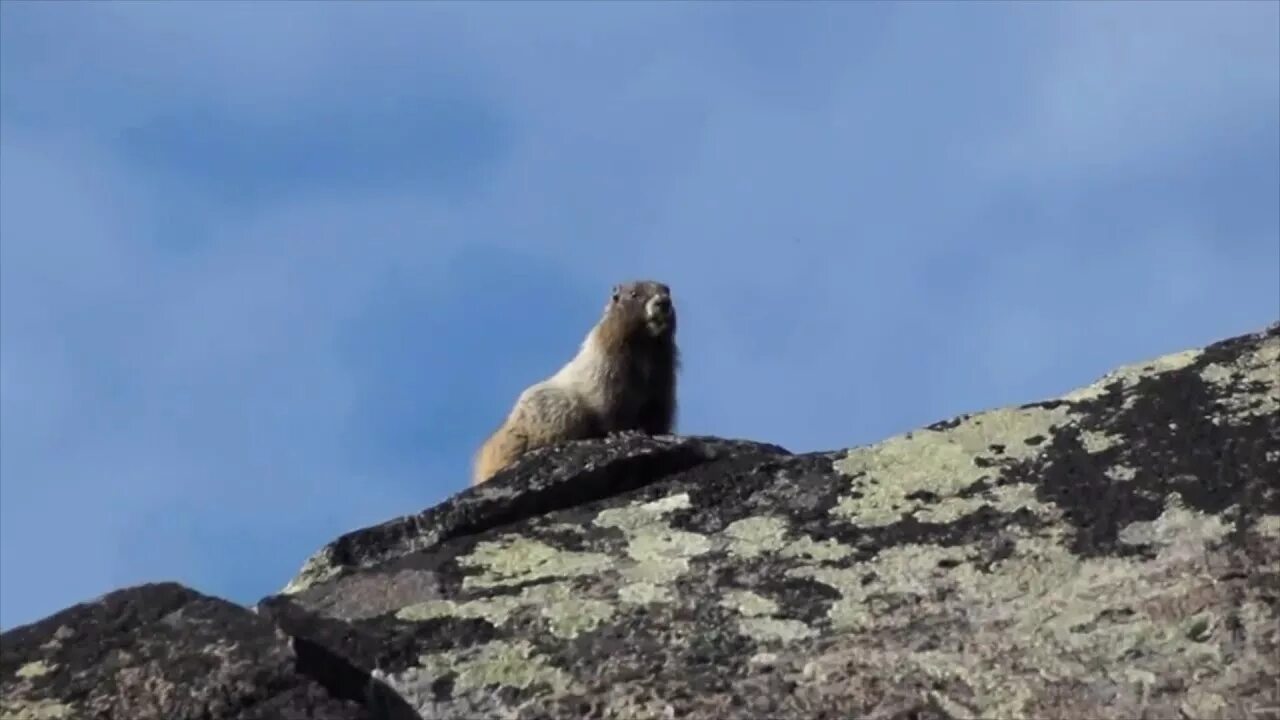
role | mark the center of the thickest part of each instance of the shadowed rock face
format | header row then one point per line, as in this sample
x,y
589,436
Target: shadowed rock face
x,y
159,652
1114,553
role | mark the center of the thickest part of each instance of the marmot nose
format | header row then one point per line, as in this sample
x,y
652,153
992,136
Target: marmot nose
x,y
662,302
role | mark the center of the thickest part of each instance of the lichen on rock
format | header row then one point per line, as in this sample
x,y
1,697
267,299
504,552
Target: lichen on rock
x,y
1108,554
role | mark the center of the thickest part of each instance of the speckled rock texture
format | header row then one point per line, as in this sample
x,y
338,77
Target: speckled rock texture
x,y
1113,553
159,652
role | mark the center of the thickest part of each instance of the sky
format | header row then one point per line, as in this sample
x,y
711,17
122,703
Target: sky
x,y
270,272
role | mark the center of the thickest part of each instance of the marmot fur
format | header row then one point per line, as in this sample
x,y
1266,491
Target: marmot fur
x,y
622,379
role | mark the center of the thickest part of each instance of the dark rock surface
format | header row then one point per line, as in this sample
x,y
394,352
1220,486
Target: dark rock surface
x,y
160,652
1114,553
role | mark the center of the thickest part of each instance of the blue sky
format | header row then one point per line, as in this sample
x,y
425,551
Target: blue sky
x,y
269,272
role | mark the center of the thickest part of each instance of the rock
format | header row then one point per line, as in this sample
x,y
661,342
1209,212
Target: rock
x,y
544,480
160,651
1113,553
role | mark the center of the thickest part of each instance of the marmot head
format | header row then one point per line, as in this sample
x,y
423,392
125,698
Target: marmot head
x,y
648,302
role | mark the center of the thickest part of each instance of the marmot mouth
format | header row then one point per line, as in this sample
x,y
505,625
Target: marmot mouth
x,y
659,325
659,315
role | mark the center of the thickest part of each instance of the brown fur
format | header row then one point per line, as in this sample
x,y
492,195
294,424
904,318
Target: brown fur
x,y
622,379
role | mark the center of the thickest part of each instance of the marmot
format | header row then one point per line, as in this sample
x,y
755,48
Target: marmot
x,y
622,379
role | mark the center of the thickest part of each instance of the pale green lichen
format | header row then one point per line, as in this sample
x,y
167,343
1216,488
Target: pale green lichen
x,y
62,634
748,603
992,697
14,703
1095,442
1005,499
941,463
35,669
1041,618
633,517
1268,526
315,570
643,593
565,528
1250,370
512,561
514,664
753,536
756,622
806,547
769,629
766,534
1071,619
566,610
950,509
666,545
905,569
516,560
11,709
659,553
662,554
763,660
1203,705
953,708
1218,374
1177,530
1123,473
1129,375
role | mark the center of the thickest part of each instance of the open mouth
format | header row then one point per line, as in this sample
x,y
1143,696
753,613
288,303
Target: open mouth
x,y
659,324
660,315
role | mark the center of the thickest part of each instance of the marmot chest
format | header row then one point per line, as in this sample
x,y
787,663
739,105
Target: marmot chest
x,y
629,390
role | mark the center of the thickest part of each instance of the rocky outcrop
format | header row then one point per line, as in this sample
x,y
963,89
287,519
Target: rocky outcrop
x,y
159,652
1114,553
